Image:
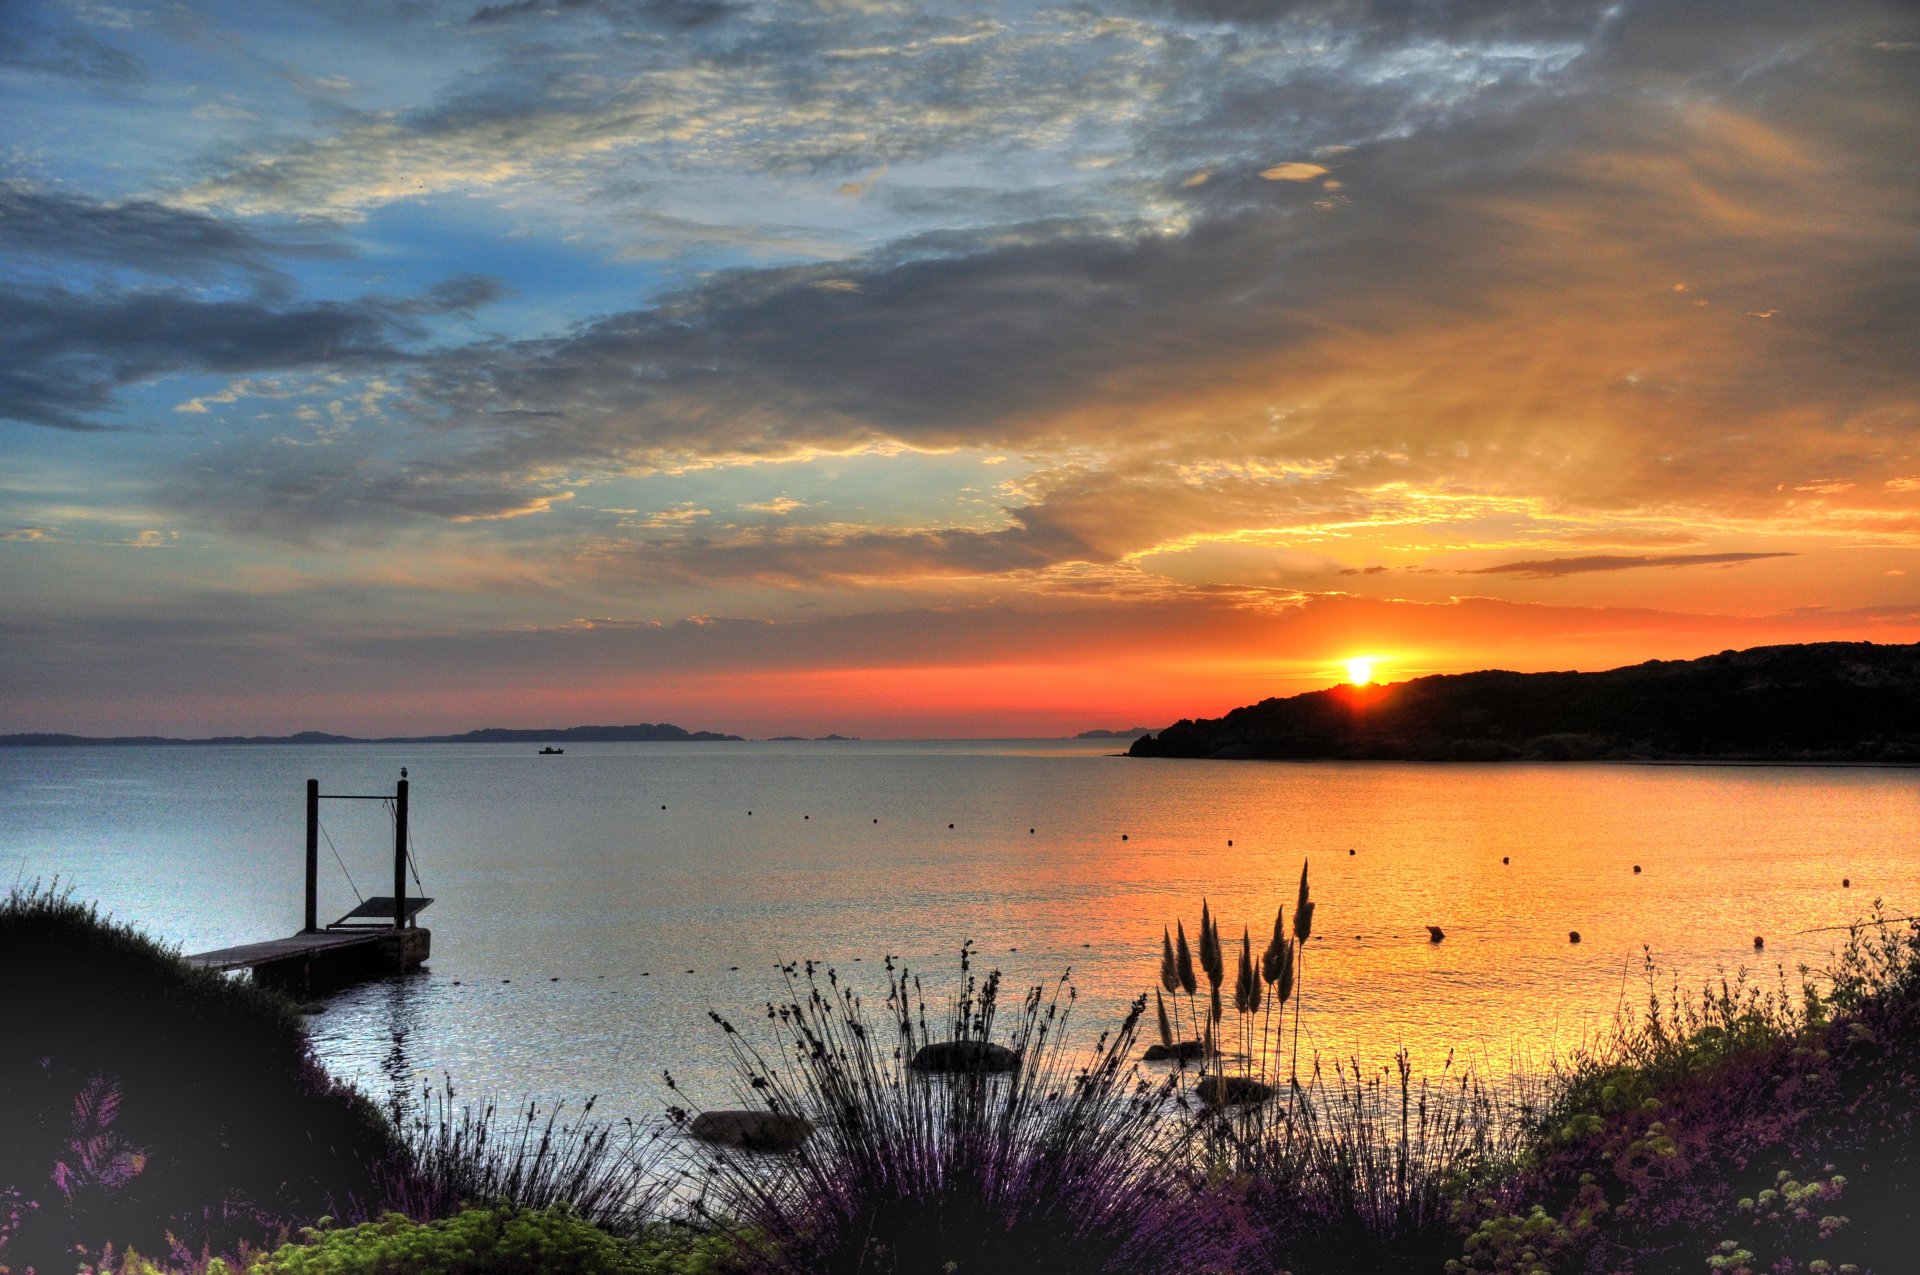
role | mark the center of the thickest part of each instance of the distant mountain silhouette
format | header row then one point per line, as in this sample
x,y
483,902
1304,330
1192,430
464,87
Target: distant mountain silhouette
x,y
644,733
1133,732
1823,702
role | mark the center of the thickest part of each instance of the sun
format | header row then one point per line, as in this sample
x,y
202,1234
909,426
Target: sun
x,y
1360,670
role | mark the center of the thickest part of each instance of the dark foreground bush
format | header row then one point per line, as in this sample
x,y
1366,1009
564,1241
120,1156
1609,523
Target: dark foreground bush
x,y
145,1100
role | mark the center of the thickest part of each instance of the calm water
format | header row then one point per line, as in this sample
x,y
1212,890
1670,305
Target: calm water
x,y
566,876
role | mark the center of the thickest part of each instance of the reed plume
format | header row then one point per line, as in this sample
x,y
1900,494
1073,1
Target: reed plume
x,y
1169,970
1183,957
1246,985
1210,958
1246,998
1276,947
1166,1028
1302,931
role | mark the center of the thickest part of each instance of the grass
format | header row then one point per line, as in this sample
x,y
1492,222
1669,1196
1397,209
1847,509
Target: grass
x,y
1062,1165
606,1173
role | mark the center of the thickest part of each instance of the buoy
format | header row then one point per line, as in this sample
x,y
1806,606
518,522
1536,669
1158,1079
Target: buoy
x,y
554,979
1350,852
949,825
1229,840
1573,936
1434,934
663,807
1505,859
733,967
806,816
876,821
1123,836
1029,832
646,973
1758,942
1636,869
1846,883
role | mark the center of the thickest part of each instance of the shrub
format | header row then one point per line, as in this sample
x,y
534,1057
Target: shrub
x,y
145,1099
490,1241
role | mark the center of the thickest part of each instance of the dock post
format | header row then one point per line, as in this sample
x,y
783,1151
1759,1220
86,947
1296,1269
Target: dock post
x,y
313,856
400,856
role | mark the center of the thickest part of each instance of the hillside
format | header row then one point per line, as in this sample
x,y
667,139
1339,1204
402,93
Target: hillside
x,y
1827,702
645,732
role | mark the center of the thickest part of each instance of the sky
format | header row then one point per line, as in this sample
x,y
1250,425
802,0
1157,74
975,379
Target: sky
x,y
924,369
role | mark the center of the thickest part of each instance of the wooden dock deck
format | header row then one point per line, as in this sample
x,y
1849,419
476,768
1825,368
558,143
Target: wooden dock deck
x,y
253,955
316,962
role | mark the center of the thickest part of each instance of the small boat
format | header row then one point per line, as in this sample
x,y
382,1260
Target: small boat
x,y
551,751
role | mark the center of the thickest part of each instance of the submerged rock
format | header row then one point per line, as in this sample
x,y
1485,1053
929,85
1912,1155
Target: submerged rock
x,y
964,1055
1233,1091
1179,1050
752,1130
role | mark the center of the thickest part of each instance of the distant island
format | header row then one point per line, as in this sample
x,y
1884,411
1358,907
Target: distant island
x,y
1821,702
815,739
1132,732
643,733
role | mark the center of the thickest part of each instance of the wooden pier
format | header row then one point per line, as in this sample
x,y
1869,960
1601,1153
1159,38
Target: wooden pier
x,y
381,936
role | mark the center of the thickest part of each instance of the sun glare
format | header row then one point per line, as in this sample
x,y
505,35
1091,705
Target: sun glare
x,y
1360,670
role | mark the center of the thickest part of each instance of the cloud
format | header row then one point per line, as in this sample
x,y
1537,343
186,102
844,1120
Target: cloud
x,y
64,50
1293,172
63,354
148,237
1552,568
674,14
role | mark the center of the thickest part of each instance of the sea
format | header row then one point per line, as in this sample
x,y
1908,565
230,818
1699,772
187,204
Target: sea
x,y
591,910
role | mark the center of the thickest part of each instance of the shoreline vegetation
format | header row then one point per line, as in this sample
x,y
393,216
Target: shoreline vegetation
x,y
163,1121
1822,703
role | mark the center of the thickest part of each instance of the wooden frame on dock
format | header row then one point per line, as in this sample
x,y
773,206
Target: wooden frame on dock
x,y
380,936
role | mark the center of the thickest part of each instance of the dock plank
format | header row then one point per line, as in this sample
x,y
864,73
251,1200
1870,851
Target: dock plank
x,y
250,955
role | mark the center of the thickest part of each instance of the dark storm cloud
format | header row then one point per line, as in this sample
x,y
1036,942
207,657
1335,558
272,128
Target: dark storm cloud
x,y
60,227
678,14
1479,19
64,354
31,44
1552,568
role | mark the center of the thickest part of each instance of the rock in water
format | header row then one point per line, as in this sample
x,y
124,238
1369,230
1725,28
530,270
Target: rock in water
x,y
1185,1049
1233,1091
753,1130
1435,934
949,1056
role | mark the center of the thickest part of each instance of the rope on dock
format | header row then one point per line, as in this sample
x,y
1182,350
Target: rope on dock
x,y
359,897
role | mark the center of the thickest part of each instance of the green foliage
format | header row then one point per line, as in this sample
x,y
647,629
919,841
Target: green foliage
x,y
495,1241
